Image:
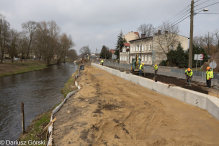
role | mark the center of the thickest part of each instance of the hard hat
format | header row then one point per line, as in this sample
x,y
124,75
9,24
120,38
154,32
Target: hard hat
x,y
155,64
189,69
142,63
208,68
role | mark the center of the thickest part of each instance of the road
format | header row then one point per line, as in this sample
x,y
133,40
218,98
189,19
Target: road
x,y
111,111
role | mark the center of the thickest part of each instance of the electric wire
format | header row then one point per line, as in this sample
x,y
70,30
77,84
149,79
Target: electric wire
x,y
206,6
201,3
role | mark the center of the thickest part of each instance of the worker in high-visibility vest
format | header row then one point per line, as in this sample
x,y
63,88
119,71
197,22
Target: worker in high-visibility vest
x,y
209,76
189,74
102,62
140,69
155,70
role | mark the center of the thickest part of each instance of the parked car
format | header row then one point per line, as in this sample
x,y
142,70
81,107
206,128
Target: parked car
x,y
15,58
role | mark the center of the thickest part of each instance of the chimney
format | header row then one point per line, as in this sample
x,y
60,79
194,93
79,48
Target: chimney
x,y
142,35
159,32
166,32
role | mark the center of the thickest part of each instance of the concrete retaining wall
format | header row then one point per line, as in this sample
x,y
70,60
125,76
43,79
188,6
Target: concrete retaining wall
x,y
210,103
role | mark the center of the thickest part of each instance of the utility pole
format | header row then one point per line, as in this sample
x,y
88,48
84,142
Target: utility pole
x,y
191,34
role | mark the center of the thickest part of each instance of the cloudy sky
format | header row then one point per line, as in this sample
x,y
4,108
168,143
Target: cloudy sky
x,y
98,22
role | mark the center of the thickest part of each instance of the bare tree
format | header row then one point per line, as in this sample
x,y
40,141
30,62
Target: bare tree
x,y
4,37
65,44
13,46
30,28
22,45
216,40
166,37
198,41
146,29
72,54
84,51
209,41
47,39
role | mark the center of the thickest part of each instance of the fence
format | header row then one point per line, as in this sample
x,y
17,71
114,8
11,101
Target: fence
x,y
198,76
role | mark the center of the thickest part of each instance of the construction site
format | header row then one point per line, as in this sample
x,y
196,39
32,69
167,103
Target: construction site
x,y
116,108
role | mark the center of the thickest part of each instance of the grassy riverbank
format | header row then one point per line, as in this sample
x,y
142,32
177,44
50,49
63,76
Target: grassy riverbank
x,y
8,68
35,130
70,85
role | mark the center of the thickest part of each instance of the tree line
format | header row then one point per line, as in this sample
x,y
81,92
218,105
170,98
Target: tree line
x,y
209,41
43,40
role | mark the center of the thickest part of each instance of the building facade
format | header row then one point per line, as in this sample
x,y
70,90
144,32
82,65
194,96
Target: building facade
x,y
152,50
131,36
125,53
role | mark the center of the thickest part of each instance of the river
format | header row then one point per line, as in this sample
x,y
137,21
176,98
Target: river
x,y
39,90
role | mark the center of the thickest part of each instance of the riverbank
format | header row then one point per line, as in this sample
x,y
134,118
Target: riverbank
x,y
36,131
8,68
109,110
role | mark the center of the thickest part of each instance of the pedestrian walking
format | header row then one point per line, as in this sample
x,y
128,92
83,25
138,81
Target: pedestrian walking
x,y
189,74
102,62
155,70
140,69
209,76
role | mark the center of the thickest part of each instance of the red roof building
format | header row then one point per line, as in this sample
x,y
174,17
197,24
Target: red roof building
x,y
112,51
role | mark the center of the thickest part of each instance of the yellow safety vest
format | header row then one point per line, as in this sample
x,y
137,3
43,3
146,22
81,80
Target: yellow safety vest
x,y
155,67
209,74
141,67
102,61
189,74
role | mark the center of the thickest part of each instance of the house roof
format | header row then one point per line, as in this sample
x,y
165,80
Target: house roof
x,y
137,33
126,44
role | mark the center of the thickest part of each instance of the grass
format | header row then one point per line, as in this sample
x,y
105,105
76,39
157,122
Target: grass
x,y
35,130
7,69
70,85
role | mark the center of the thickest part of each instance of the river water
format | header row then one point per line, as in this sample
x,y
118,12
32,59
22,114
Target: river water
x,y
39,90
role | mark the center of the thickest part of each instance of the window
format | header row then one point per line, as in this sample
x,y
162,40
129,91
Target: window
x,y
146,58
120,58
139,47
146,47
142,57
171,47
136,48
149,47
142,47
149,58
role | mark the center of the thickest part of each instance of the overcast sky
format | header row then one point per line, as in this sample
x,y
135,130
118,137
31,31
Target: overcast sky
x,y
98,22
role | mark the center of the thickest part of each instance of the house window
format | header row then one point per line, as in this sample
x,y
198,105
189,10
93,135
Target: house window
x,y
120,58
146,58
142,47
149,47
136,48
142,57
139,47
171,47
149,58
146,47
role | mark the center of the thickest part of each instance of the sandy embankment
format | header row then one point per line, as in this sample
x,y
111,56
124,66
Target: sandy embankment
x,y
109,111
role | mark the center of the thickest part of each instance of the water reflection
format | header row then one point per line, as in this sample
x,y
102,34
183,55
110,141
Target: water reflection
x,y
39,90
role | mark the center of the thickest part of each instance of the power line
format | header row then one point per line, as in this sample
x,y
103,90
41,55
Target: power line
x,y
181,17
196,1
206,6
201,3
180,21
179,12
208,13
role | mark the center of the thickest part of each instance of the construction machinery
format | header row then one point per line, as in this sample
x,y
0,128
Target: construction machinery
x,y
136,62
